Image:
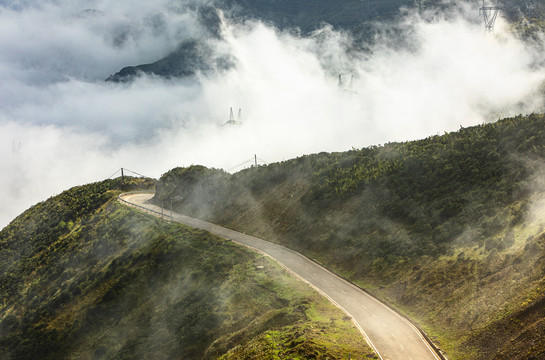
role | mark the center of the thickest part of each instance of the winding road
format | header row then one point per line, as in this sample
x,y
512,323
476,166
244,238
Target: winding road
x,y
389,334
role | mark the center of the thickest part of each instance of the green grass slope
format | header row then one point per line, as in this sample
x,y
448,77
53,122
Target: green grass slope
x,y
448,229
84,277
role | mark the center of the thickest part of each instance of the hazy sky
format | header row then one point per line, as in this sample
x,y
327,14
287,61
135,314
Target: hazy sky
x,y
62,125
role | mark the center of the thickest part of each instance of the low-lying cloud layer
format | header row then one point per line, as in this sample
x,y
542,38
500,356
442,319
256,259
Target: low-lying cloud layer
x,y
62,125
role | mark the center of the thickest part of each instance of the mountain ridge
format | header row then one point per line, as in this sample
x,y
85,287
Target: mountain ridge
x,y
303,17
444,228
83,276
466,262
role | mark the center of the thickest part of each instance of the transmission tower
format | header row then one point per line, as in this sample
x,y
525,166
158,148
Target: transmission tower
x,y
346,86
232,120
490,13
231,117
342,82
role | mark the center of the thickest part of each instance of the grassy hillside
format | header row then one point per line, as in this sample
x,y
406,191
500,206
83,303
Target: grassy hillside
x,y
449,229
83,277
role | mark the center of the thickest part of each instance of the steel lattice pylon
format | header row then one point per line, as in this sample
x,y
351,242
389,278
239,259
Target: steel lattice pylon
x,y
490,13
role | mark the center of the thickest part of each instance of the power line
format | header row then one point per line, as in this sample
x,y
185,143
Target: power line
x,y
239,165
253,161
114,174
263,161
133,172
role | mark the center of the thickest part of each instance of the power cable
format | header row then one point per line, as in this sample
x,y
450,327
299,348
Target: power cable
x,y
114,174
134,172
239,165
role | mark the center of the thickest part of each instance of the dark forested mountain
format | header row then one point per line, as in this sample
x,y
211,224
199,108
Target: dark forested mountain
x,y
352,15
357,17
191,56
308,15
448,228
304,15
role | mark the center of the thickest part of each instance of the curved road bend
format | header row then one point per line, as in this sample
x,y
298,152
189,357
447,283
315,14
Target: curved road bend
x,y
392,336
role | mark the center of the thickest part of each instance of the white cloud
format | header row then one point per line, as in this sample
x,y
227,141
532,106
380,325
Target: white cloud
x,y
75,128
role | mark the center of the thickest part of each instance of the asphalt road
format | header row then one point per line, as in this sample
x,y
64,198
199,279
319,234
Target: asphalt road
x,y
391,336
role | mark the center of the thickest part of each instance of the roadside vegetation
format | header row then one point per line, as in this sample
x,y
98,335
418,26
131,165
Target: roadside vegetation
x,y
448,229
84,277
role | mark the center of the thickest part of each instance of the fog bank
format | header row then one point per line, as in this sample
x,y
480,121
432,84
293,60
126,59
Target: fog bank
x,y
62,125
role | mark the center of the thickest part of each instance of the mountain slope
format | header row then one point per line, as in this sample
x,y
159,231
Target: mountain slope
x,y
196,55
448,229
190,57
82,276
362,19
308,15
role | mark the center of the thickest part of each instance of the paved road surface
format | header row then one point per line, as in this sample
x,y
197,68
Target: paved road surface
x,y
392,336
